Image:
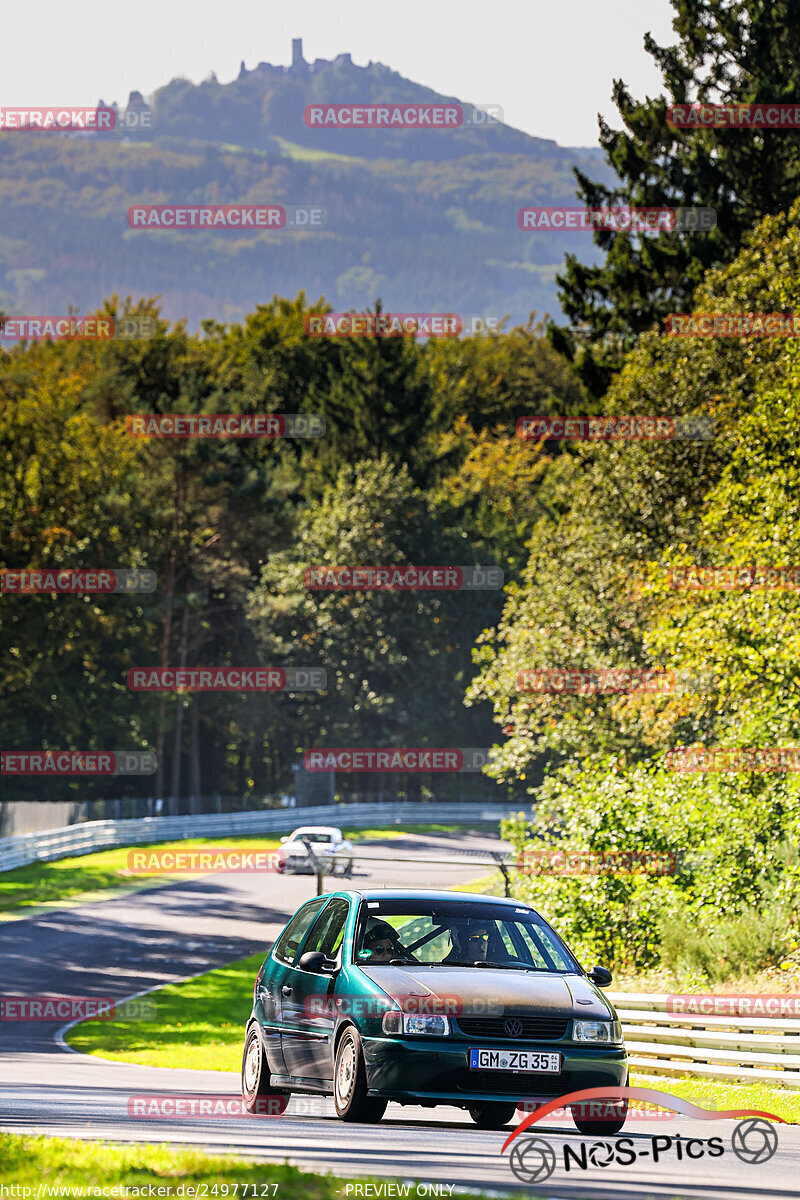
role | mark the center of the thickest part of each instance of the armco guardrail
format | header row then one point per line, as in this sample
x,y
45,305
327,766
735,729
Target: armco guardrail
x,y
51,844
766,1049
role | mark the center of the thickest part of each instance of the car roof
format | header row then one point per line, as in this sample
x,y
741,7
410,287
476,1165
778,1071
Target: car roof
x,y
317,829
428,894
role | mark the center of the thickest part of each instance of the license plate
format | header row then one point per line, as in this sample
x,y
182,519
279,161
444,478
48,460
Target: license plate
x,y
514,1060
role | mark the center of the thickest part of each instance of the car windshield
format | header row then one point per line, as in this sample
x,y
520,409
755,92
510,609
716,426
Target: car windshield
x,y
315,837
437,933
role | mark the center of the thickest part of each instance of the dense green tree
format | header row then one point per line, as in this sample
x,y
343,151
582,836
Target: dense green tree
x,y
67,501
397,661
725,52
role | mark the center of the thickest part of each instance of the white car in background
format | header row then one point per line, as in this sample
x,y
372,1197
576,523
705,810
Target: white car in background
x,y
326,841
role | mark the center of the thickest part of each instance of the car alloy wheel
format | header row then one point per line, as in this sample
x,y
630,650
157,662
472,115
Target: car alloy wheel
x,y
252,1066
350,1082
260,1098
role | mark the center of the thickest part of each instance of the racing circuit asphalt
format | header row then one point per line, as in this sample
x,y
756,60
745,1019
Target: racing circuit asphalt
x,y
123,946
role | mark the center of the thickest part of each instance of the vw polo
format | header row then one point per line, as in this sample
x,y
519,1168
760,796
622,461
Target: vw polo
x,y
428,998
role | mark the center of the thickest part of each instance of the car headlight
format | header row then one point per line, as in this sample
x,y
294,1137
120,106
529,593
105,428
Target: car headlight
x,y
397,1022
603,1032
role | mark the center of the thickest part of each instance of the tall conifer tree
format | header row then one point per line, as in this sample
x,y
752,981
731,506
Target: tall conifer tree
x,y
741,52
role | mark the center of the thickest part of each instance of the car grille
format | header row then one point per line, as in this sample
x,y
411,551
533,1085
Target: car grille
x,y
524,1085
533,1029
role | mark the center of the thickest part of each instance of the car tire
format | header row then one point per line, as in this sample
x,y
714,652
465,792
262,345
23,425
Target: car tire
x,y
350,1082
492,1115
259,1097
596,1128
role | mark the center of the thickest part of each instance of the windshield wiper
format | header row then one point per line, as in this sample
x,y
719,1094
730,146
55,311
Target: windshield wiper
x,y
506,966
480,962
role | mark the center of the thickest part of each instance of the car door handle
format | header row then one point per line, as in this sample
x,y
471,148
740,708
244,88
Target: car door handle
x,y
286,990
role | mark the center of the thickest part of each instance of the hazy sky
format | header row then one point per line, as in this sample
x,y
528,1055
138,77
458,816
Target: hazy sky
x,y
548,65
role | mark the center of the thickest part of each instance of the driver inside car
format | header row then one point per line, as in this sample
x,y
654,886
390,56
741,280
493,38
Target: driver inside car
x,y
384,944
470,943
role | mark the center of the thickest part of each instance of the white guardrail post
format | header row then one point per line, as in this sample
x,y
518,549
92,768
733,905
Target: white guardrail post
x,y
743,1048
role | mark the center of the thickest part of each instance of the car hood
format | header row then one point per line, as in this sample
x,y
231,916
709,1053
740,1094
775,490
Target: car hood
x,y
480,988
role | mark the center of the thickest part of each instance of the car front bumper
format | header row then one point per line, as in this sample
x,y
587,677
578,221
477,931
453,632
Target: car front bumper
x,y
416,1070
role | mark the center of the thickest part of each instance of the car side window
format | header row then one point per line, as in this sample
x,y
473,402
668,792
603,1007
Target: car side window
x,y
289,942
328,930
551,950
543,950
508,943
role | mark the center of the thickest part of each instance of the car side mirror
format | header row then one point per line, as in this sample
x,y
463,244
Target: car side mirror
x,y
285,839
600,976
315,960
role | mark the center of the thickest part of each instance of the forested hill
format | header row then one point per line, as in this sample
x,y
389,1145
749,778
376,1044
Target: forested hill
x,y
425,221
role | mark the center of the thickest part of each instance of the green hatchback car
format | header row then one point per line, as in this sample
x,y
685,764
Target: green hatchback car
x,y
428,998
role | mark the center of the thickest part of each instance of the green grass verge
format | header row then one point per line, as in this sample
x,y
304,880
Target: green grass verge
x,y
198,1024
710,1093
29,1161
487,885
91,875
